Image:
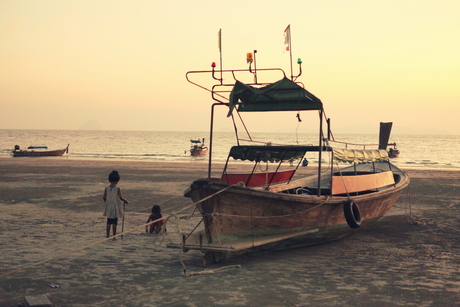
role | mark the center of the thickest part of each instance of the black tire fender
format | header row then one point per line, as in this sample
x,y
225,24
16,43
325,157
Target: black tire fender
x,y
352,214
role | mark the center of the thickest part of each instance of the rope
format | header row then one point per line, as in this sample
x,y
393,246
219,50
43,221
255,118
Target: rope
x,y
56,257
212,195
160,203
213,270
297,128
180,240
115,236
343,180
76,250
273,216
185,273
407,204
215,221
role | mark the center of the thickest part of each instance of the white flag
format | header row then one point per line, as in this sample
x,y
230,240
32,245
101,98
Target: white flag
x,y
287,38
219,40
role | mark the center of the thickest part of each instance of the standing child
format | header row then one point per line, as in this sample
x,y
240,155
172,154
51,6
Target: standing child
x,y
156,215
113,206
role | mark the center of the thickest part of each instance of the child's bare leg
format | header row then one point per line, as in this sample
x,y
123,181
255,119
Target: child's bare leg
x,y
108,230
114,230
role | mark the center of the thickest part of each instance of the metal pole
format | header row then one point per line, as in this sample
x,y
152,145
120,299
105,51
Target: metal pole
x,y
210,140
220,51
123,221
255,67
320,150
290,53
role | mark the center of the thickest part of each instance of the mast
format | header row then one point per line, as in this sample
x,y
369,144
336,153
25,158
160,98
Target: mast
x,y
287,43
220,53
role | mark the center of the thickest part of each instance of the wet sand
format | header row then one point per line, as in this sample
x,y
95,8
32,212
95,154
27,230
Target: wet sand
x,y
52,232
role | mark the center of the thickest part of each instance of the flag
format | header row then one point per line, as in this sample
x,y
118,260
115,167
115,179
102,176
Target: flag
x,y
287,38
219,42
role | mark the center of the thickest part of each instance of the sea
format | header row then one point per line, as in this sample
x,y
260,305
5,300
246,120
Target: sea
x,y
416,151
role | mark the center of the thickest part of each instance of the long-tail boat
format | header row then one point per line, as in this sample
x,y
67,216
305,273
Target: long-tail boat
x,y
271,207
197,147
38,151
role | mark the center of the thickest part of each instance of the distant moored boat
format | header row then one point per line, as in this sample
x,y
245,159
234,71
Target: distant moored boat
x,y
198,148
38,151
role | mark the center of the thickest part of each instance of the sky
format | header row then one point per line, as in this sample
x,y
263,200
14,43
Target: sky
x,y
121,65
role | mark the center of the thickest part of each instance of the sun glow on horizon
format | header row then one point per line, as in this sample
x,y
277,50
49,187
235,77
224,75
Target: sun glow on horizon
x,y
367,61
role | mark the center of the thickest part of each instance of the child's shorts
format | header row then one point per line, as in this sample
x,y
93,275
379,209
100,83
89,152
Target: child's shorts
x,y
112,221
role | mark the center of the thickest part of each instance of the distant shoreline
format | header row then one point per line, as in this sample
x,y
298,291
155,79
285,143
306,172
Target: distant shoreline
x,y
221,164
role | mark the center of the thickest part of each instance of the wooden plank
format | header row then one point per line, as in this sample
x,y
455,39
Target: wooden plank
x,y
244,244
238,245
359,183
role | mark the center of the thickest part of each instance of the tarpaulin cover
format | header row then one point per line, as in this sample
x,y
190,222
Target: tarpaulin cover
x,y
268,153
283,95
360,156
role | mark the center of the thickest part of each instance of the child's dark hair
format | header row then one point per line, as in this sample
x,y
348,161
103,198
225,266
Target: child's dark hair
x,y
114,177
156,209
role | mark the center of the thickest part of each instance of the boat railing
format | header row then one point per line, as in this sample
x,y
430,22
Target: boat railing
x,y
347,144
221,95
267,143
258,179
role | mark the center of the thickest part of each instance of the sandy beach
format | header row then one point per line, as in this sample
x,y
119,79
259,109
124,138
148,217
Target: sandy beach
x,y
52,237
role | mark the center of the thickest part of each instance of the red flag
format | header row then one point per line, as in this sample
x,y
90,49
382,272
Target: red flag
x,y
287,38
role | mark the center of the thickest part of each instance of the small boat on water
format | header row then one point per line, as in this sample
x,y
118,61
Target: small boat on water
x,y
270,207
393,152
385,130
38,151
198,148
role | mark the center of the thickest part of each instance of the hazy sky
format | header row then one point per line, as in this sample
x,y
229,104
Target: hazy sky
x,y
121,65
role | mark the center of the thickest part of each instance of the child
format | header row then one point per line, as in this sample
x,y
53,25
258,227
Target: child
x,y
113,206
156,214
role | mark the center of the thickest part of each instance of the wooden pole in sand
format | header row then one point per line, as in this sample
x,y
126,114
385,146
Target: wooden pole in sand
x,y
123,220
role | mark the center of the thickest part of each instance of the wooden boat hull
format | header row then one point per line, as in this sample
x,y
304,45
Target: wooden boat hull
x,y
47,153
269,210
240,219
198,151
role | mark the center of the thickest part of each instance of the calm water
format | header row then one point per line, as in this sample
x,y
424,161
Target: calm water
x,y
420,151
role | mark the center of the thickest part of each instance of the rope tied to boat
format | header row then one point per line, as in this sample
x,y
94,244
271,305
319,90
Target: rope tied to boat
x,y
212,271
80,248
269,217
185,273
343,181
167,219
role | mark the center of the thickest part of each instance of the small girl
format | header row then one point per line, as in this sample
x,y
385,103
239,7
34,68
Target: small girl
x,y
113,206
156,214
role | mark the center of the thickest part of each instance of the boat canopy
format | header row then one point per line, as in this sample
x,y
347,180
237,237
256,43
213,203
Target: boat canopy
x,y
360,156
283,95
266,153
